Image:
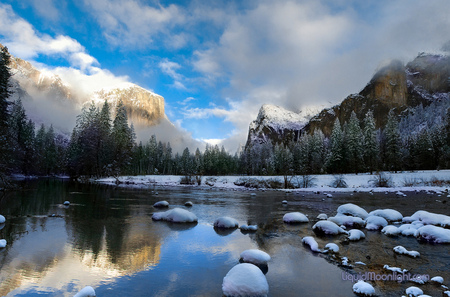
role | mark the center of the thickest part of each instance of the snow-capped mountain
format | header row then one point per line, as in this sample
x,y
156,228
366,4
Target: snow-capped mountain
x,y
421,82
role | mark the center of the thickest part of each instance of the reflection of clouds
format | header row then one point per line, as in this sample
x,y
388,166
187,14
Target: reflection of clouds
x,y
43,260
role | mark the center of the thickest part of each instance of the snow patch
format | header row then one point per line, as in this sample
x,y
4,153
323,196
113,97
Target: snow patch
x,y
437,279
312,243
389,214
403,251
328,227
348,221
3,243
391,230
355,235
2,219
413,291
375,223
433,234
332,247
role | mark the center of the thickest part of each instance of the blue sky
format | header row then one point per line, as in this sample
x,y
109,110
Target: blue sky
x,y
217,62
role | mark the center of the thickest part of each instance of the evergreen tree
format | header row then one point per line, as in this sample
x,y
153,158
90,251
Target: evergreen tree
x,y
18,136
371,144
392,143
123,140
353,144
4,114
335,160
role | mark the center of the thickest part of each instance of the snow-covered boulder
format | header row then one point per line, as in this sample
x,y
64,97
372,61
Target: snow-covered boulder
x,y
86,292
413,291
332,247
295,218
322,216
363,288
433,234
312,243
2,243
429,218
176,215
249,228
408,229
66,202
353,210
395,269
355,235
161,204
391,230
226,223
402,251
390,215
375,223
437,279
2,219
348,221
245,280
327,227
188,204
255,256
284,202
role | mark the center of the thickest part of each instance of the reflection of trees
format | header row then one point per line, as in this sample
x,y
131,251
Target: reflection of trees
x,y
108,236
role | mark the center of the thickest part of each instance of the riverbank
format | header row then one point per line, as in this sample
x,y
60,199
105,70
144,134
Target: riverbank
x,y
432,180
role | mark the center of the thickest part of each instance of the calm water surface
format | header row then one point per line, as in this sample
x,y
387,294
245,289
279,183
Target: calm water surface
x,y
107,239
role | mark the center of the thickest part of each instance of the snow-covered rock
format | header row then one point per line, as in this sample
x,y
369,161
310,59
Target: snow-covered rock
x,y
437,279
348,221
250,228
413,291
332,247
255,256
66,202
390,215
245,280
2,219
395,269
328,227
409,229
402,251
322,216
86,292
433,234
447,293
399,193
188,204
391,230
2,243
284,202
226,223
295,217
312,243
375,223
429,218
161,204
176,215
353,210
355,235
363,288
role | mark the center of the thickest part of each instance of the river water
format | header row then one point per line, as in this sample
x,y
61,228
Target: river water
x,y
106,239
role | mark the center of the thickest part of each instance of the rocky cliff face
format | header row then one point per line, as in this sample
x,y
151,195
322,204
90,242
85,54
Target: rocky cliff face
x,y
34,86
394,86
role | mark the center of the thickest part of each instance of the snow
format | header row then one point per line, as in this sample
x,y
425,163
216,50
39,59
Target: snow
x,y
375,223
188,204
312,243
66,203
322,216
437,279
2,243
395,269
355,235
295,217
226,223
328,227
86,292
161,204
356,182
256,257
391,230
363,288
2,219
284,202
409,229
176,215
278,118
429,218
447,293
433,234
413,291
389,214
402,251
352,209
245,280
348,221
249,228
332,247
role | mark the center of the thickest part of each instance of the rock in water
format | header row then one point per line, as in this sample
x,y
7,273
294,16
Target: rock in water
x,y
245,280
86,292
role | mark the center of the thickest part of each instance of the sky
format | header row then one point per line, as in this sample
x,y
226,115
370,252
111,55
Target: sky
x,y
217,62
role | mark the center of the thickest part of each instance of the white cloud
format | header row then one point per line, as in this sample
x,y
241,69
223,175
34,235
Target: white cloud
x,y
134,23
170,68
46,8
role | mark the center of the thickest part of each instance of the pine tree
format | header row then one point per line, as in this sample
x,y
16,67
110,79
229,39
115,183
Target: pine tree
x,y
335,160
5,152
392,143
104,159
17,124
371,144
123,140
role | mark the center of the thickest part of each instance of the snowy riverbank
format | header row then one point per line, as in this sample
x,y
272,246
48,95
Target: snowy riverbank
x,y
403,181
